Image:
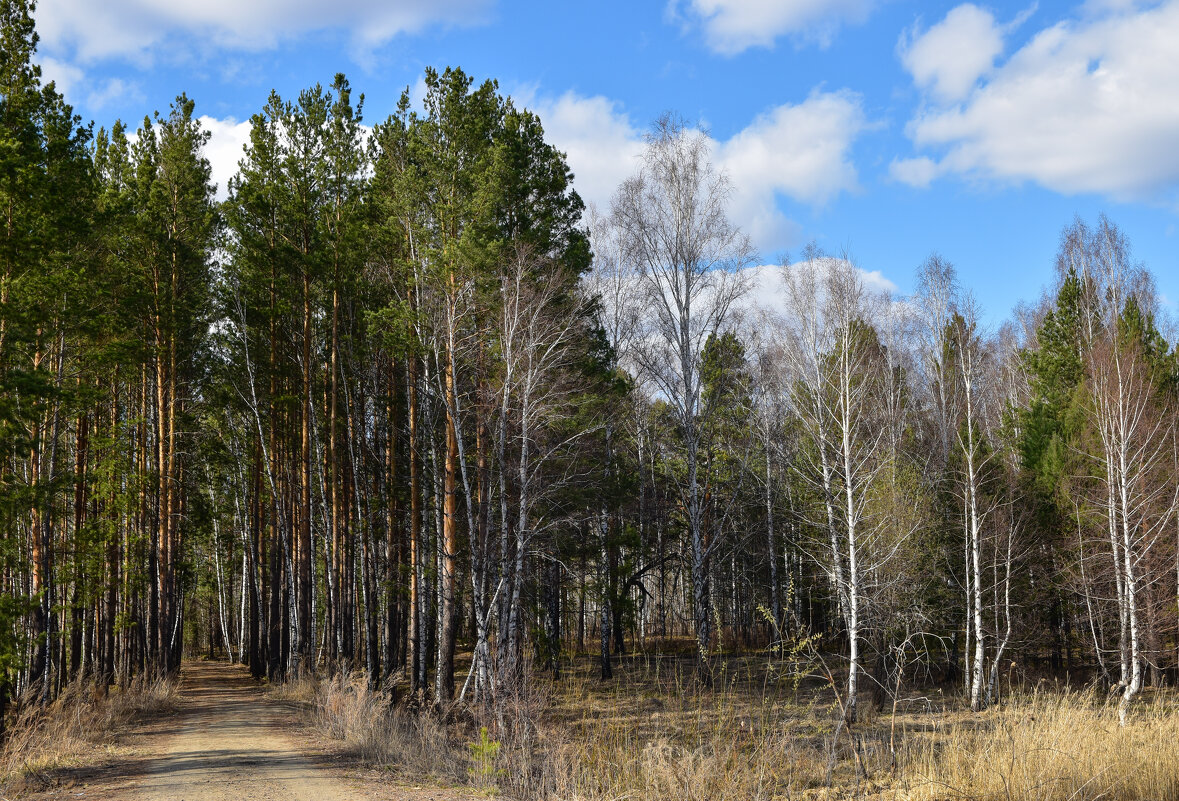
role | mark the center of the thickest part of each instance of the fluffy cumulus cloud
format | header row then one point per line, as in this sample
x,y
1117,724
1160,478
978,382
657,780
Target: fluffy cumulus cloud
x,y
600,142
950,57
226,147
918,172
1085,106
68,77
135,27
731,26
767,291
799,151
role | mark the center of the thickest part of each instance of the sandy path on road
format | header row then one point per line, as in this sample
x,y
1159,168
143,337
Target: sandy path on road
x,y
229,741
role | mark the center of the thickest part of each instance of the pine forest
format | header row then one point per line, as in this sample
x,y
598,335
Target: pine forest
x,y
395,419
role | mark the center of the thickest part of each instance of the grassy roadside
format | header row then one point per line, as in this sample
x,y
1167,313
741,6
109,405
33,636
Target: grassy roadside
x,y
79,726
653,734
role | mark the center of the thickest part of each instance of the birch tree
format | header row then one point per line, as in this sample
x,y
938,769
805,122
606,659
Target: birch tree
x,y
1133,430
541,321
613,283
971,375
673,220
838,363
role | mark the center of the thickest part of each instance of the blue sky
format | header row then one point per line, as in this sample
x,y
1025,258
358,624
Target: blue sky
x,y
887,127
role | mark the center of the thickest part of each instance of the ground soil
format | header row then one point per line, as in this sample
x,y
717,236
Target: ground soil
x,y
228,739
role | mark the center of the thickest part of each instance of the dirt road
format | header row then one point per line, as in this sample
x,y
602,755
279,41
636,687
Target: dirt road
x,y
229,740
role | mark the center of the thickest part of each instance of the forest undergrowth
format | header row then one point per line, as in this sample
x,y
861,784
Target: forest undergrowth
x,y
40,741
762,731
759,733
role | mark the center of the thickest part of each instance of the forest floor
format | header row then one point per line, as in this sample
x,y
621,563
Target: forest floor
x,y
767,729
226,738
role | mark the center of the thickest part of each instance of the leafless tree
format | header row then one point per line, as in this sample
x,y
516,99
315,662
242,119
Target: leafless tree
x,y
615,283
936,298
839,368
674,227
973,379
937,294
1134,433
1011,391
769,393
540,322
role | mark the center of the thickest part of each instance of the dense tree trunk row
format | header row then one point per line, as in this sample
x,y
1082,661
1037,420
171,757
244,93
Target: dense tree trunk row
x,y
375,412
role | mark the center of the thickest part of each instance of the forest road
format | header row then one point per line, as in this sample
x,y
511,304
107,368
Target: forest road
x,y
229,739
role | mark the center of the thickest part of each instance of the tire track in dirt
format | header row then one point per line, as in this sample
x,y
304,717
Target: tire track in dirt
x,y
232,742
229,740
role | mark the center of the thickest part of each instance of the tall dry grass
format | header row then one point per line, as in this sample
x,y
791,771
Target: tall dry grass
x,y
1050,746
654,734
611,764
40,740
1046,746
493,748
367,723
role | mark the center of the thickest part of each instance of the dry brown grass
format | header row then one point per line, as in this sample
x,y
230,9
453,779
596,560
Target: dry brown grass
x,y
1051,746
652,734
368,725
82,721
611,764
644,740
302,691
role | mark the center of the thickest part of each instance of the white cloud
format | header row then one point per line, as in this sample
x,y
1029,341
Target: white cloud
x,y
918,172
601,144
768,293
801,151
135,27
66,76
950,57
732,26
111,90
1084,106
227,140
